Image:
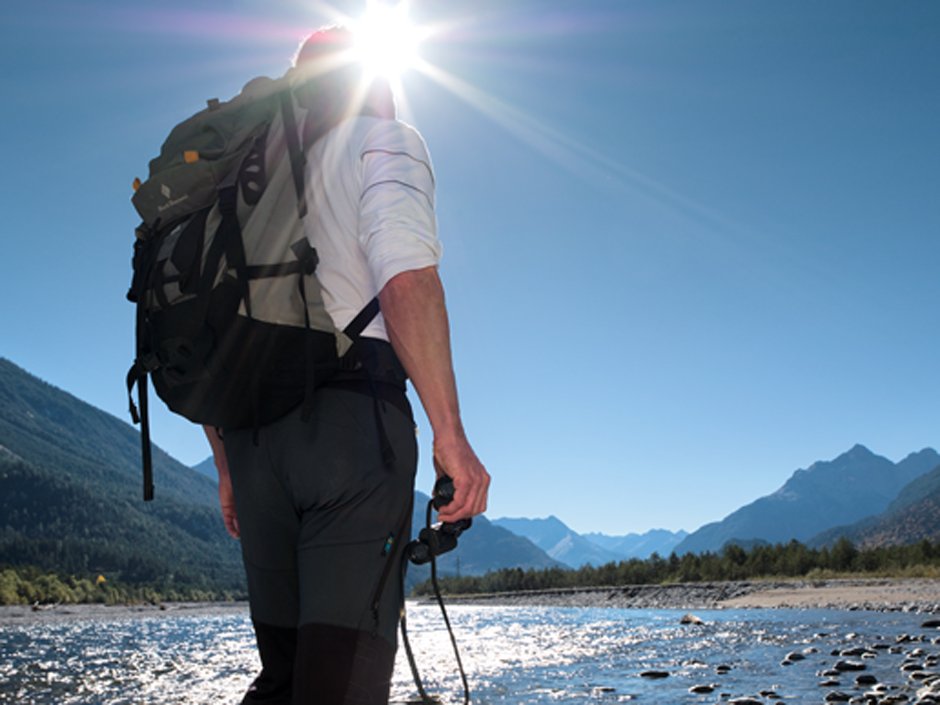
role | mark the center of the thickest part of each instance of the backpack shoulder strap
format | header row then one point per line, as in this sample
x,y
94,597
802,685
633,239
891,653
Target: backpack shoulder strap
x,y
298,160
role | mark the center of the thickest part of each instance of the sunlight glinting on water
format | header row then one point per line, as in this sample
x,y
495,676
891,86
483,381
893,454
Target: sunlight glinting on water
x,y
512,655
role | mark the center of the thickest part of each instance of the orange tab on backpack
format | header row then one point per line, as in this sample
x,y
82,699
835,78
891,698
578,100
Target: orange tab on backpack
x,y
190,156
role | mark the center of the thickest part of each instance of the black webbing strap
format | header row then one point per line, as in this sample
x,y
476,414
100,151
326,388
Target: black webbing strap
x,y
140,414
298,161
362,319
144,257
145,436
266,271
310,372
231,231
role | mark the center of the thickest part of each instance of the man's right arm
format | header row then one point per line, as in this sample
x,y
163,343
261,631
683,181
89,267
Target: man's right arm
x,y
415,315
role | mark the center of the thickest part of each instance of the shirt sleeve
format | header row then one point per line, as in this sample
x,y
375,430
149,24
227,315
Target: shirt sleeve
x,y
397,226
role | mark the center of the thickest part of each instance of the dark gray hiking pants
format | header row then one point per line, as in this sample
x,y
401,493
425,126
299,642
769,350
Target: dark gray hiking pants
x,y
323,521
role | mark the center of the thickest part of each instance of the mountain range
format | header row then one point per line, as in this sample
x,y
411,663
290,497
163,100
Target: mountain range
x,y
577,550
70,501
855,486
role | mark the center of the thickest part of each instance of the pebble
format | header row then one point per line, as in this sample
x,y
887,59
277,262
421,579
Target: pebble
x,y
848,665
837,696
702,689
654,674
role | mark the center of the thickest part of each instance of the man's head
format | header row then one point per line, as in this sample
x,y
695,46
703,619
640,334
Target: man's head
x,y
330,81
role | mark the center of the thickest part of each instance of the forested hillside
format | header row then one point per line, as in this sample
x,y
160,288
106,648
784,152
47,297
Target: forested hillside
x,y
70,499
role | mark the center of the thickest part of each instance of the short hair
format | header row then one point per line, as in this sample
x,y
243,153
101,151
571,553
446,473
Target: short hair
x,y
325,43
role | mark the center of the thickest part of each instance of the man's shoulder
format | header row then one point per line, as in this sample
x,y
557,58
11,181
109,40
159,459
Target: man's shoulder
x,y
375,143
374,131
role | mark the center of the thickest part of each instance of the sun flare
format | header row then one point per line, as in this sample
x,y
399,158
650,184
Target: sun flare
x,y
387,41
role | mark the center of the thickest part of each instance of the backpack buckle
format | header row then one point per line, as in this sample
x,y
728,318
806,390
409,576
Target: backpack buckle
x,y
306,255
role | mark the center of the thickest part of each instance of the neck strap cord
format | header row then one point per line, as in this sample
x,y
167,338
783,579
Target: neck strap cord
x,y
425,698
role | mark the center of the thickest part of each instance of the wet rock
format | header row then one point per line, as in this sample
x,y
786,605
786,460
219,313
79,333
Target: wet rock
x,y
690,619
603,689
854,651
721,669
702,689
931,624
865,679
831,683
928,694
910,666
837,696
746,700
792,658
654,674
849,665
920,675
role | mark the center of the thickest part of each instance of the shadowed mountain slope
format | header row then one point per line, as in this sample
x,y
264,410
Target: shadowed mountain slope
x,y
70,496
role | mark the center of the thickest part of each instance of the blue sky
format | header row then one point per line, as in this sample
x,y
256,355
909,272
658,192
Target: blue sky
x,y
690,246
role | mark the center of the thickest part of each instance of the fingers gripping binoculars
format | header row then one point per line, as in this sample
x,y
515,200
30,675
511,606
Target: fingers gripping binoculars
x,y
433,540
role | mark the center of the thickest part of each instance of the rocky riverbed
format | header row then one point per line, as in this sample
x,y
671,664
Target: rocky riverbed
x,y
909,595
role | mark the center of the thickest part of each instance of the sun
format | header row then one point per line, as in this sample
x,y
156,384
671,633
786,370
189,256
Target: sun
x,y
387,42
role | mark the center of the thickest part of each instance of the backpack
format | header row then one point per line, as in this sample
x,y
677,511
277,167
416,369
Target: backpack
x,y
231,327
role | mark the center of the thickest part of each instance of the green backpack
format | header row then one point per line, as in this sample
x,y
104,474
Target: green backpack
x,y
231,327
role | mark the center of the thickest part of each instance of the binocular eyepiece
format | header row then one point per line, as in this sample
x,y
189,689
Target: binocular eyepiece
x,y
440,537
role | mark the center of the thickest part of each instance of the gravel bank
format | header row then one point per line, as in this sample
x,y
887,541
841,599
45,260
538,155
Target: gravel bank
x,y
25,614
912,595
909,595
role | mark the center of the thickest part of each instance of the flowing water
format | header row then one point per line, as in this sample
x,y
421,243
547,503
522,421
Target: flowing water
x,y
517,655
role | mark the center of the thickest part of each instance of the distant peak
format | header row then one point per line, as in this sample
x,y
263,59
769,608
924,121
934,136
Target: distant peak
x,y
923,452
859,449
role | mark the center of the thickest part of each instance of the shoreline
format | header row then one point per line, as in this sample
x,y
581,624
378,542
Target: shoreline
x,y
920,595
876,594
12,615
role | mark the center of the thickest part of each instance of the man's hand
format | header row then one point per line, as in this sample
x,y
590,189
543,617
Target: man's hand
x,y
227,502
471,480
226,496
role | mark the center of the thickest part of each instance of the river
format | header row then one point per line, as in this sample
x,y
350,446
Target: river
x,y
517,655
